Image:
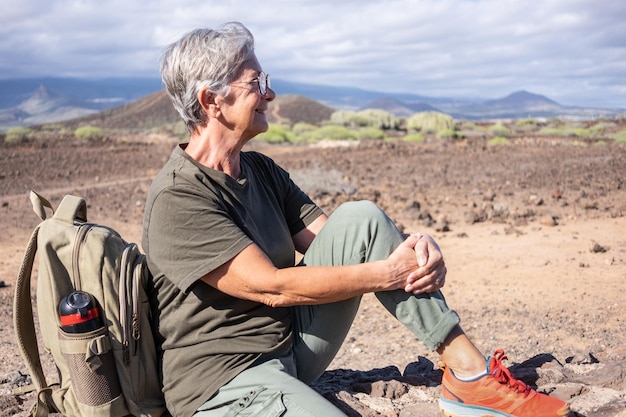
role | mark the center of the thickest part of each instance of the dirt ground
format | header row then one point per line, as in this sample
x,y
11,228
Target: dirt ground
x,y
533,233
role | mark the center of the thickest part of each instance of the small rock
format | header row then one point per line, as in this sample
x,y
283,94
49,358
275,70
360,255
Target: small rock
x,y
557,194
548,220
582,359
421,410
597,248
441,227
535,200
489,196
511,230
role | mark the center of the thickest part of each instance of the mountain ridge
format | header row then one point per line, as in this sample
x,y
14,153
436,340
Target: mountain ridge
x,y
54,100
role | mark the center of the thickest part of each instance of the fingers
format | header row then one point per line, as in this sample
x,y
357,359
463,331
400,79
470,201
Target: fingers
x,y
427,250
421,284
430,275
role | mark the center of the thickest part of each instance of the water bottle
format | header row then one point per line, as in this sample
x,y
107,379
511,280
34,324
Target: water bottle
x,y
79,313
93,374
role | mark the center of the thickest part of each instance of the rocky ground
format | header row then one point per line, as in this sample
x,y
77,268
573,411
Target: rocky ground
x,y
534,236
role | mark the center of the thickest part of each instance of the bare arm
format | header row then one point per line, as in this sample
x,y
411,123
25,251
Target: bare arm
x,y
302,240
251,275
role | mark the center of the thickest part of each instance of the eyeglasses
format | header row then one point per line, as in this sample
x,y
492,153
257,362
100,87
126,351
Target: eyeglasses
x,y
263,81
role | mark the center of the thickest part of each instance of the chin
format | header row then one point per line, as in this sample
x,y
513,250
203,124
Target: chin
x,y
262,127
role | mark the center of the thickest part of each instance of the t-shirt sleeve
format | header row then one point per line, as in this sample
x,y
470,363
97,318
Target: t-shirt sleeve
x,y
189,236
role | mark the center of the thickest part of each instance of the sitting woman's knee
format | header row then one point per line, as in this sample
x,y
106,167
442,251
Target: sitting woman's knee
x,y
361,209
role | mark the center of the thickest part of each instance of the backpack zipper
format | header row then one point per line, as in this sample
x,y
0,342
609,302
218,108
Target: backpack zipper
x,y
79,239
131,276
124,300
138,275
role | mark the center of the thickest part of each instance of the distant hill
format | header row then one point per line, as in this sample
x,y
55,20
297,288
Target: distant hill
x,y
397,107
515,105
293,108
153,111
43,106
37,101
26,102
524,99
96,94
156,111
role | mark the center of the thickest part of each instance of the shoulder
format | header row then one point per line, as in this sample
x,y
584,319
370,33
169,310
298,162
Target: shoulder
x,y
257,158
260,161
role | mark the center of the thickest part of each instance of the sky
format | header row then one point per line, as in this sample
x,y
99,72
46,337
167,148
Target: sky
x,y
572,51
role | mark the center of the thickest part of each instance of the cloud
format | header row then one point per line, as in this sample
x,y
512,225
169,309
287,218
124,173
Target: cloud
x,y
569,50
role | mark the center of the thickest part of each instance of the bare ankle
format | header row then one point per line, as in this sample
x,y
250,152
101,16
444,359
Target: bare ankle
x,y
461,355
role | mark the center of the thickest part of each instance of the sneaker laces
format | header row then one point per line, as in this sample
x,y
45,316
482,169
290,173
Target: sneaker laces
x,y
504,376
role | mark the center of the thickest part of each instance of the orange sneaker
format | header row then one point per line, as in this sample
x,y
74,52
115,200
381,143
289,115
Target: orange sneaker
x,y
495,394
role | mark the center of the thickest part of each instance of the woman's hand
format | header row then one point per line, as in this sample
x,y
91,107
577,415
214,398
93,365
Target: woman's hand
x,y
430,274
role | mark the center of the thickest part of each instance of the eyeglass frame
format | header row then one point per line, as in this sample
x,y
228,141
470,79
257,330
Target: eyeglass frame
x,y
263,81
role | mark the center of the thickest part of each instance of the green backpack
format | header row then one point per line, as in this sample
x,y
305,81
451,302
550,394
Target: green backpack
x,y
110,370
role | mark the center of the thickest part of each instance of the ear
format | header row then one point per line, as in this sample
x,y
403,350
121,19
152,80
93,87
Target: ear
x,y
208,101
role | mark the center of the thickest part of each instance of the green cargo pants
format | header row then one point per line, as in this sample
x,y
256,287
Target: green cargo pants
x,y
356,232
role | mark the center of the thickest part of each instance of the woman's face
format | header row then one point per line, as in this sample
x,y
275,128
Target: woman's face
x,y
244,107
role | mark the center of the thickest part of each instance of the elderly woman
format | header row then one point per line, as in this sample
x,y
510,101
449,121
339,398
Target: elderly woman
x,y
243,329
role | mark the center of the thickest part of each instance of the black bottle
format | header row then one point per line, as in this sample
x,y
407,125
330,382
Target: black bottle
x,y
79,313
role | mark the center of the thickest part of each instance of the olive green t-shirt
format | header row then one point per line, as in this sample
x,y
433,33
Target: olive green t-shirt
x,y
197,219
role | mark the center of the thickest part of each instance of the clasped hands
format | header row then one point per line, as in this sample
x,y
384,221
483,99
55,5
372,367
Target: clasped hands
x,y
429,275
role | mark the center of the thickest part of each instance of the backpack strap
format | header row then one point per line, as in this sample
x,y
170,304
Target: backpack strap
x,y
24,326
23,322
39,205
71,208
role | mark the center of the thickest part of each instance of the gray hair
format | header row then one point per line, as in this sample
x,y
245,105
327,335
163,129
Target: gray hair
x,y
209,58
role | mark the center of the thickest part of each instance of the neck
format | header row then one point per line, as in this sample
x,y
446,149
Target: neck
x,y
219,154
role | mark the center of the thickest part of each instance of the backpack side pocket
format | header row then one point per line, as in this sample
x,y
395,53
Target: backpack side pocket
x,y
91,365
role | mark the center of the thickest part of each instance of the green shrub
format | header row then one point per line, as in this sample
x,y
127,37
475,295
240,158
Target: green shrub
x,y
380,119
526,125
553,131
89,133
447,134
53,127
17,134
620,137
275,134
370,133
498,140
376,118
301,127
499,129
578,132
348,118
430,122
526,122
597,130
414,137
331,133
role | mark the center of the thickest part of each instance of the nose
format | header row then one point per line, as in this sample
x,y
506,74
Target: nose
x,y
269,94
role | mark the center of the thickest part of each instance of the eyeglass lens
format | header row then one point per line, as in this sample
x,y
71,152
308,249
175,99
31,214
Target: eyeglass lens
x,y
264,83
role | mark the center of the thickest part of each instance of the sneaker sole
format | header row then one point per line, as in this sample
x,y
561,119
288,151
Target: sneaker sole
x,y
455,409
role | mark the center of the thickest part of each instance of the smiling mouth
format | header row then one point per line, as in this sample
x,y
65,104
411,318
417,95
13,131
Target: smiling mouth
x,y
260,111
